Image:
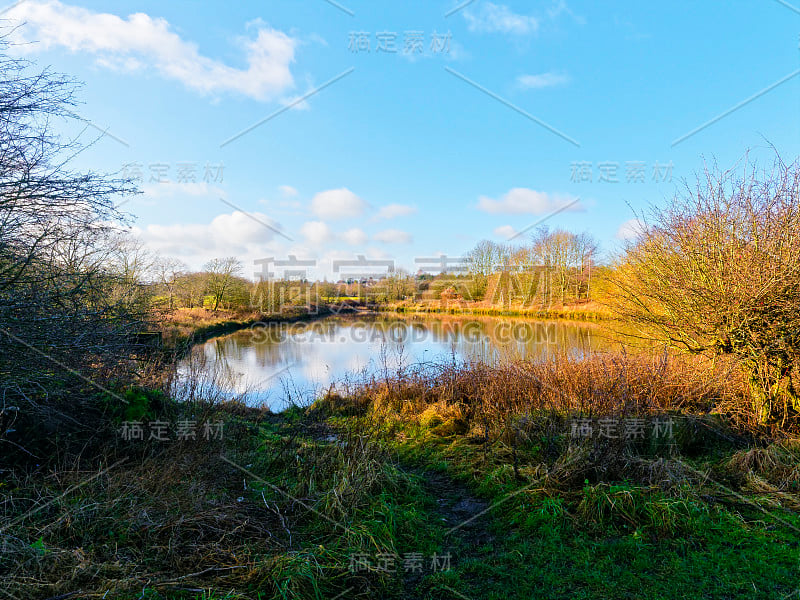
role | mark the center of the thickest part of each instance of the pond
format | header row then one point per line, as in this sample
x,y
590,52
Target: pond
x,y
283,364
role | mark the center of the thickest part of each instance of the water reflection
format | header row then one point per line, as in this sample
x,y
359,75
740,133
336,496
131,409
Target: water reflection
x,y
283,364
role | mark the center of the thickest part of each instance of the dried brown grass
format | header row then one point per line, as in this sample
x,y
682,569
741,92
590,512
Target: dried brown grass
x,y
520,414
135,524
564,386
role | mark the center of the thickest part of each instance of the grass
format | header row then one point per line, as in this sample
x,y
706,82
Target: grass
x,y
477,466
587,311
711,515
266,510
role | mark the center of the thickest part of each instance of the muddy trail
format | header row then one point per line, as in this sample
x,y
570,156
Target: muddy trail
x,y
465,519
460,515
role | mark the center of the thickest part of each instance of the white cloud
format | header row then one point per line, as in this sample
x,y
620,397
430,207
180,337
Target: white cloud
x,y
355,237
505,231
235,234
392,236
498,18
542,80
560,7
245,227
630,230
337,204
393,211
141,41
288,191
527,201
316,232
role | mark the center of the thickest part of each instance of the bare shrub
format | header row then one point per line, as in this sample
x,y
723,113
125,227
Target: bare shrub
x,y
717,272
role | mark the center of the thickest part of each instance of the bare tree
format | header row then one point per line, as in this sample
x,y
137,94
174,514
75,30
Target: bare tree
x,y
131,264
718,272
566,258
396,286
168,272
58,324
585,258
220,275
483,260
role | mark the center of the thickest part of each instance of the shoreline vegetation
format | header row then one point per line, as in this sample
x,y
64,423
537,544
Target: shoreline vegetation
x,y
590,311
185,327
499,477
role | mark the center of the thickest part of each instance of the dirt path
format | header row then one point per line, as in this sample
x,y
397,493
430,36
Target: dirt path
x,y
463,515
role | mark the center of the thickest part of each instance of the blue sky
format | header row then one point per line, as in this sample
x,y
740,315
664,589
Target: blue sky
x,y
498,119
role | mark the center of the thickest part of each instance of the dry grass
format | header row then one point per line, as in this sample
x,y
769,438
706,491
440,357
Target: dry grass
x,y
583,311
135,524
565,386
772,470
185,322
519,416
178,516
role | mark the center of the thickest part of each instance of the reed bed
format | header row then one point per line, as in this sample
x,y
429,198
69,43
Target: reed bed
x,y
564,385
529,420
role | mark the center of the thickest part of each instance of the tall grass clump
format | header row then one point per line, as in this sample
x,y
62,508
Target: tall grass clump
x,y
525,415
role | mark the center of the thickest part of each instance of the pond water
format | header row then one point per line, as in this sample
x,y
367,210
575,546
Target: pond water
x,y
283,364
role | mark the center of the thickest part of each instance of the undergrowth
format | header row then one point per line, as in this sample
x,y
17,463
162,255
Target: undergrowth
x,y
487,465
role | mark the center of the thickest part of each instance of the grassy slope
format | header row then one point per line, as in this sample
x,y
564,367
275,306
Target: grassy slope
x,y
268,511
281,506
173,523
618,540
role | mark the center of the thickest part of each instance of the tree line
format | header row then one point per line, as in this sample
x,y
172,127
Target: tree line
x,y
553,266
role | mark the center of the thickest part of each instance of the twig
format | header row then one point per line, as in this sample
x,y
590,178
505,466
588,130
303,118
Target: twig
x,y
199,573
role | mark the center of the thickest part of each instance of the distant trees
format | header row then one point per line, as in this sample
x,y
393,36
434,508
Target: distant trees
x,y
396,286
221,276
568,258
555,265
718,272
483,260
328,290
190,289
129,264
168,273
218,285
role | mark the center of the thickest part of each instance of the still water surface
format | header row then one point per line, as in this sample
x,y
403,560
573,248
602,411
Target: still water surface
x,y
280,365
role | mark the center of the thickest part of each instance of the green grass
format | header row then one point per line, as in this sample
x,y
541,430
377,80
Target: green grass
x,y
609,540
322,487
178,518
